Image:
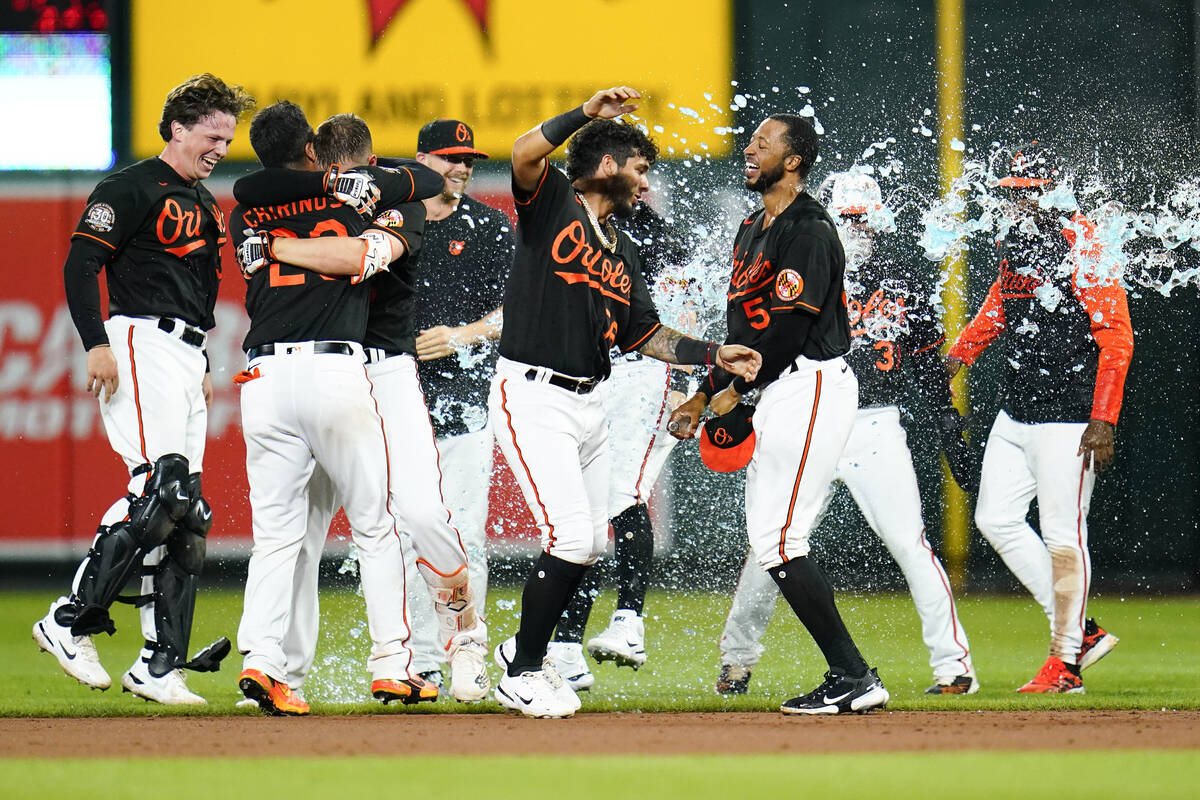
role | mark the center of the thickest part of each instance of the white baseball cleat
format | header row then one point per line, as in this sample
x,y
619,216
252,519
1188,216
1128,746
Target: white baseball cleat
x,y
469,681
623,641
568,659
506,651
170,689
532,694
76,654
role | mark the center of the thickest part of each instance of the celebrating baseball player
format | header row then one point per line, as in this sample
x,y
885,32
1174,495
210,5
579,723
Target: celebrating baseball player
x,y
893,351
460,281
575,290
413,458
638,400
1067,341
786,299
157,232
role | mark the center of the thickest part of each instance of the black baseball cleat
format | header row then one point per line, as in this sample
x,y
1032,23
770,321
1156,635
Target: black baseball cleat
x,y
734,679
840,694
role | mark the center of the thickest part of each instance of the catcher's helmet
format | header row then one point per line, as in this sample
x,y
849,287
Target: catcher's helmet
x,y
727,442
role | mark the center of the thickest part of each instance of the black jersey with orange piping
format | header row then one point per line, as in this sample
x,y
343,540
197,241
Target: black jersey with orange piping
x,y
569,299
785,296
290,304
1067,335
896,333
391,322
158,237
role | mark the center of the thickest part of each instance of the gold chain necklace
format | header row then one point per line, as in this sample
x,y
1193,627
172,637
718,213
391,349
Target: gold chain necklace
x,y
609,244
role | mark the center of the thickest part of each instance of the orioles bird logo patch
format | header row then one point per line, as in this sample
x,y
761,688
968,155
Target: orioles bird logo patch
x,y
456,247
788,285
390,219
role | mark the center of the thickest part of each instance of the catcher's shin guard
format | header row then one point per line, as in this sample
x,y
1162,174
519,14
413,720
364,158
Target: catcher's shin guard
x,y
118,550
175,585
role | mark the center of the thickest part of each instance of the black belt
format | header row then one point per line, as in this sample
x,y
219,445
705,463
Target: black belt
x,y
576,385
377,354
341,348
190,335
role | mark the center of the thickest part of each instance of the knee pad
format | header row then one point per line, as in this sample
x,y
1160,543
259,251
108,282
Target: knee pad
x,y
186,544
164,501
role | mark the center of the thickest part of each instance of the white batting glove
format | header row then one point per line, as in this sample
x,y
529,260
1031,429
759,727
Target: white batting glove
x,y
355,189
377,257
255,252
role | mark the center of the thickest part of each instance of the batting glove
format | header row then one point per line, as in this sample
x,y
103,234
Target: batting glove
x,y
376,257
355,189
256,252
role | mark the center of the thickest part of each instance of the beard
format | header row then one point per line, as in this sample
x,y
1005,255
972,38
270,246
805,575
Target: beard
x,y
619,190
766,179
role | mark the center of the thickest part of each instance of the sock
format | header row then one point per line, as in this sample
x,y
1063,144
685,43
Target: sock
x,y
807,590
547,591
575,619
633,546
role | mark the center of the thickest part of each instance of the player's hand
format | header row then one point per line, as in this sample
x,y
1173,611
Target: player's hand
x,y
437,342
685,420
355,189
255,252
102,372
206,388
962,459
739,360
377,256
1096,445
952,365
724,401
675,399
611,103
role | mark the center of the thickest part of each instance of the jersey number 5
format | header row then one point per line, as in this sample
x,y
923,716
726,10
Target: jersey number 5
x,y
758,317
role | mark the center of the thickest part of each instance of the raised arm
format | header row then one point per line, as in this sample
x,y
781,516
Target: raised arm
x,y
532,148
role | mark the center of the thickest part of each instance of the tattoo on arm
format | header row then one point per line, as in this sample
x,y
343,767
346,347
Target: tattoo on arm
x,y
662,345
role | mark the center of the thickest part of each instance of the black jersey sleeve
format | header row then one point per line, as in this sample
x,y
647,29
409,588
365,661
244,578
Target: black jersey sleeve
x,y
425,182
643,316
537,211
115,211
84,261
278,185
406,222
802,275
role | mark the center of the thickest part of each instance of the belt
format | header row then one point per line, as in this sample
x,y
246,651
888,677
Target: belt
x,y
377,354
186,334
576,385
341,348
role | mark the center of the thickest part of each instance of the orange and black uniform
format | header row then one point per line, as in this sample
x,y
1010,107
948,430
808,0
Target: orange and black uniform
x,y
1069,339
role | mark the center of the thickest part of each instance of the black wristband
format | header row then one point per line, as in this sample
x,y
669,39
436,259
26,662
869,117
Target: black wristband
x,y
558,129
695,351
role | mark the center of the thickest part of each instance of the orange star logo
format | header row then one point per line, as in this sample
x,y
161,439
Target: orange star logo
x,y
384,11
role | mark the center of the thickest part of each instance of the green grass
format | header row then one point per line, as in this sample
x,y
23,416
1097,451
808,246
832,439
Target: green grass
x,y
1154,667
897,776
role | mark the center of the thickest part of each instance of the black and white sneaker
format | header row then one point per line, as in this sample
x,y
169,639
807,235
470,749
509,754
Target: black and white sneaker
x,y
840,694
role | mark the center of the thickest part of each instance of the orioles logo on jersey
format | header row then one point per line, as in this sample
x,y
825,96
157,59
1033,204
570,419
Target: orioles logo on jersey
x,y
456,247
391,218
571,245
175,221
1015,284
788,285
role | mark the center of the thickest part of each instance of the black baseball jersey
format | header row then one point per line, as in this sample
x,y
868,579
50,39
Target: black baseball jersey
x,y
896,333
460,279
163,237
291,304
568,299
390,323
785,296
1068,339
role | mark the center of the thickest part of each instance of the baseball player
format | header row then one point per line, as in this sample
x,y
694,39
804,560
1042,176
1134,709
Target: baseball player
x,y
785,299
575,290
895,335
1067,341
463,266
638,400
306,400
157,232
413,457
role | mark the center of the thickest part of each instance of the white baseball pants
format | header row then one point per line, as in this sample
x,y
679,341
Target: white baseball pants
x,y
556,442
1024,461
636,404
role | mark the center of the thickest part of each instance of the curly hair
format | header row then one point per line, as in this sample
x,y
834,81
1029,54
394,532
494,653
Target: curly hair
x,y
801,140
201,96
602,137
278,134
343,139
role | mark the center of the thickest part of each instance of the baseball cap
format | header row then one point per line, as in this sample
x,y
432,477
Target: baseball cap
x,y
727,442
854,193
1031,164
448,137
